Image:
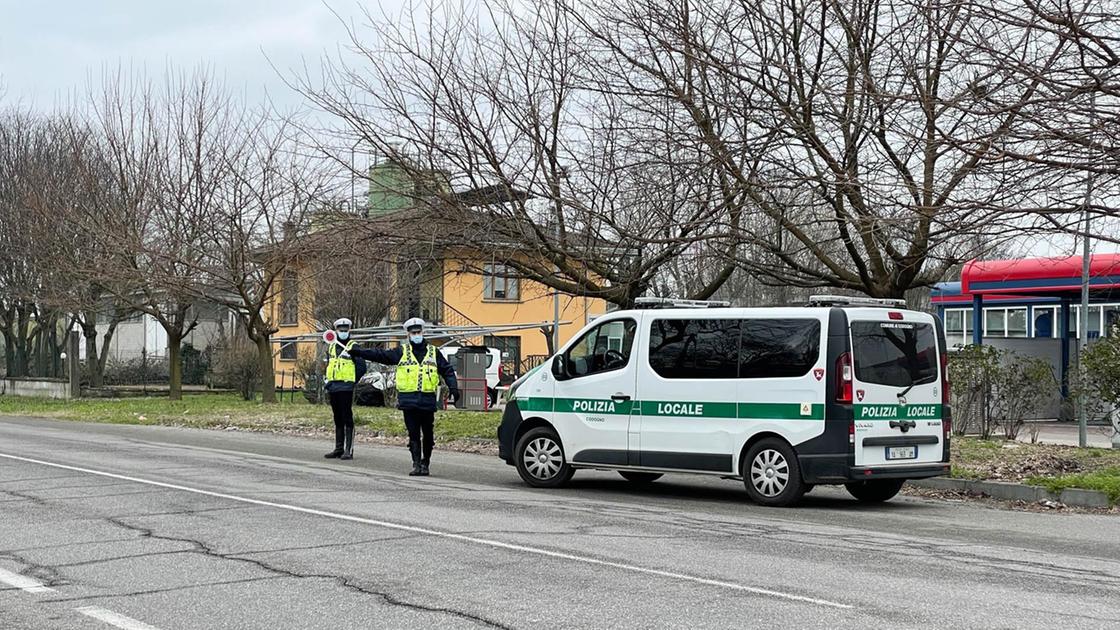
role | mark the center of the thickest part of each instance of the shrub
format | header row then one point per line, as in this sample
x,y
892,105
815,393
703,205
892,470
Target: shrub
x,y
236,366
310,370
196,364
995,388
142,370
1102,375
1022,384
972,370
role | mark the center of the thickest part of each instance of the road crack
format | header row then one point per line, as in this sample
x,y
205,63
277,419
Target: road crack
x,y
343,581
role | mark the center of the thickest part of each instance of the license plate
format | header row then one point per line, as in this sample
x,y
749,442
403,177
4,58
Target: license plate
x,y
902,452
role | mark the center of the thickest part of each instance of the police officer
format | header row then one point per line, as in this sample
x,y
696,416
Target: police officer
x,y
342,372
419,366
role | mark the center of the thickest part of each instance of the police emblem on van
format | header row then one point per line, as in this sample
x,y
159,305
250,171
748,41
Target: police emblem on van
x,y
859,394
819,373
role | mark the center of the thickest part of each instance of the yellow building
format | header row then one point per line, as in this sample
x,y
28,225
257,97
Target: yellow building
x,y
449,286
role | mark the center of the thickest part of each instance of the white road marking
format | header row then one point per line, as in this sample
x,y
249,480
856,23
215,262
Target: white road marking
x,y
23,583
114,619
452,536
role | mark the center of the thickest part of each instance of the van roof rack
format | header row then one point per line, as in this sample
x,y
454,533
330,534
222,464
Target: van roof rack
x,y
847,300
660,302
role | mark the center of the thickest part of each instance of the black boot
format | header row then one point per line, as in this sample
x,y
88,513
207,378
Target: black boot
x,y
348,448
425,461
337,443
414,448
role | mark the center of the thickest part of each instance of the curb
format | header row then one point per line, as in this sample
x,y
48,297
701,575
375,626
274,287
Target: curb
x,y
1016,491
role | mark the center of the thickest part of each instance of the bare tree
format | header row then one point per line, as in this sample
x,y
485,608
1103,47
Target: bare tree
x,y
1070,125
35,178
511,143
858,136
161,151
266,201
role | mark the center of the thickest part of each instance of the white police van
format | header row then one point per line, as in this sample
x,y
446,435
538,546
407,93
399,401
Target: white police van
x,y
842,391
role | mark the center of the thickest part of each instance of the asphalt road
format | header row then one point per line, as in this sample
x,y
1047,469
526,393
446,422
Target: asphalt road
x,y
106,526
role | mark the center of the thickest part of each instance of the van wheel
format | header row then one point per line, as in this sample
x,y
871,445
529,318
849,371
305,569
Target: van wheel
x,y
640,477
493,393
875,491
771,473
540,459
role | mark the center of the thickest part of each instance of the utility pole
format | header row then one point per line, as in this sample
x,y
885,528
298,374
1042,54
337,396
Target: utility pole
x,y
555,321
1083,331
1083,321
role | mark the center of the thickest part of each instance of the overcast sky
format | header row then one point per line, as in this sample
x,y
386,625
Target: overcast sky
x,y
47,49
50,48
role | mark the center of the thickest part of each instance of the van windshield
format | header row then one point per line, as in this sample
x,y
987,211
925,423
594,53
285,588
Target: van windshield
x,y
895,353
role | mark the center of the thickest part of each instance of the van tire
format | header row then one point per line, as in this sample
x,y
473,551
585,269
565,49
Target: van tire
x,y
551,472
771,473
876,490
640,477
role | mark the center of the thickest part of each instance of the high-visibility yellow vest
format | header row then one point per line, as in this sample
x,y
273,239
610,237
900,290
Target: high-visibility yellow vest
x,y
339,369
413,376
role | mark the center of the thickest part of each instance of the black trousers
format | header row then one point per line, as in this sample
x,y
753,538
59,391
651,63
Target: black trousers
x,y
420,424
343,410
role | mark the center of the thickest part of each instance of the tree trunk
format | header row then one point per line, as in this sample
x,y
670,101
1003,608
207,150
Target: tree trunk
x,y
9,353
93,360
174,367
105,345
267,373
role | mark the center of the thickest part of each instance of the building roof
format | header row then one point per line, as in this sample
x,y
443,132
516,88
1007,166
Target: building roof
x,y
1031,280
1039,276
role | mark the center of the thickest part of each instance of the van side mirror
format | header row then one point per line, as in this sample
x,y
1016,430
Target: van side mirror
x,y
559,367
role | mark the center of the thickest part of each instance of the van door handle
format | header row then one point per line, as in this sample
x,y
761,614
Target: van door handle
x,y
618,398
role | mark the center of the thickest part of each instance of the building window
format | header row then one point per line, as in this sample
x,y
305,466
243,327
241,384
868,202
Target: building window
x,y
1045,322
289,299
499,282
995,322
1017,322
289,351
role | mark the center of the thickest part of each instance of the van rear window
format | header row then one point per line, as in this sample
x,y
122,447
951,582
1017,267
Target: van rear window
x,y
894,353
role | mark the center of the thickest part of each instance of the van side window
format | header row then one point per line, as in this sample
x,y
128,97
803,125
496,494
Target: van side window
x,y
776,348
694,348
602,349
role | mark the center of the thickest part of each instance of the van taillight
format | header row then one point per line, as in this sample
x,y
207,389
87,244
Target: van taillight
x,y
944,379
844,378
499,372
852,432
894,315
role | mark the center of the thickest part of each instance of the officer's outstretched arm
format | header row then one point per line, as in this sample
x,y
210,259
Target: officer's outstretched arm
x,y
378,355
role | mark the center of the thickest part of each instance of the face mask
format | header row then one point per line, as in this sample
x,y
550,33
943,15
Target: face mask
x,y
343,335
416,338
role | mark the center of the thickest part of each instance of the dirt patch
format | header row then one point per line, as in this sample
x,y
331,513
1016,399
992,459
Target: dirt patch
x,y
1056,507
1015,461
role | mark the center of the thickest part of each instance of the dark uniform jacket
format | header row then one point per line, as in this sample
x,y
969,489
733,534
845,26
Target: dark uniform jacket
x,y
392,356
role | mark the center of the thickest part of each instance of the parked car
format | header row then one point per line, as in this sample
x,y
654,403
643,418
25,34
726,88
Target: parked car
x,y
370,390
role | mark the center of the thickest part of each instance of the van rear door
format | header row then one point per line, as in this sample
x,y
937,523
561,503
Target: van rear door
x,y
897,382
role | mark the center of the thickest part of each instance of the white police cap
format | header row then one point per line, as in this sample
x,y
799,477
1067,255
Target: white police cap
x,y
343,321
415,322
